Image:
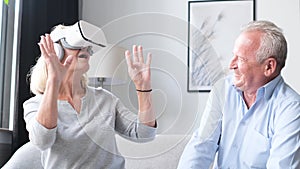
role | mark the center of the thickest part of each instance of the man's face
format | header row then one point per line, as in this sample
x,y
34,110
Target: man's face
x,y
248,73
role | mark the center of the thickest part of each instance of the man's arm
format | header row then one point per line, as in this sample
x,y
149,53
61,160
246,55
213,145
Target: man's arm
x,y
285,145
200,153
203,145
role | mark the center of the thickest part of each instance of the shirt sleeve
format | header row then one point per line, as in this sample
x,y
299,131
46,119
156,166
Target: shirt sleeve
x,y
129,127
40,136
201,149
285,149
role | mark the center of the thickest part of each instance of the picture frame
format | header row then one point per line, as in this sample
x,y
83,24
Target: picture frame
x,y
213,27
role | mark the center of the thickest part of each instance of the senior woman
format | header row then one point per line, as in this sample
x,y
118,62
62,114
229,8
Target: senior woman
x,y
74,125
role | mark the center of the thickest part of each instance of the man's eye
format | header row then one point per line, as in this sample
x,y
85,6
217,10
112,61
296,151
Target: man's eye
x,y
241,59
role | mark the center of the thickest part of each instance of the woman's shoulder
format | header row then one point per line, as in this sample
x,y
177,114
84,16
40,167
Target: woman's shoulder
x,y
32,103
34,99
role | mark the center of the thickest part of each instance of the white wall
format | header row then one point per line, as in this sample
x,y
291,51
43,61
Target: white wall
x,y
161,27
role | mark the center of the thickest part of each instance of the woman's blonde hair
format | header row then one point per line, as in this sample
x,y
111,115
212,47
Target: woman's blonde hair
x,y
38,77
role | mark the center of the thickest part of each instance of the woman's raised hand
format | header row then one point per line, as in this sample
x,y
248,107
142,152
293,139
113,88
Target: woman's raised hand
x,y
55,69
139,71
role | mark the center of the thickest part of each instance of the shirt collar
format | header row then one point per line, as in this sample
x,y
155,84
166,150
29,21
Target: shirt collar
x,y
268,89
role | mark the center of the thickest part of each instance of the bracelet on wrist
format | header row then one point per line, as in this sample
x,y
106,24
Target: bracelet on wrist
x,y
138,90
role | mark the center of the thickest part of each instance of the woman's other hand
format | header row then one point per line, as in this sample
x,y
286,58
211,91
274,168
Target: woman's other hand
x,y
138,69
55,69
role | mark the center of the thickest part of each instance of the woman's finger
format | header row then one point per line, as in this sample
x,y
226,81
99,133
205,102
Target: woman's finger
x,y
128,58
149,59
135,53
49,42
140,54
68,61
45,45
42,49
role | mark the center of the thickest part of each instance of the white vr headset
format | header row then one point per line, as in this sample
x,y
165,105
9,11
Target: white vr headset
x,y
80,35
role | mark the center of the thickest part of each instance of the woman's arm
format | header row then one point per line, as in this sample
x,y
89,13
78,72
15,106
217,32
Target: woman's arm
x,y
47,112
140,73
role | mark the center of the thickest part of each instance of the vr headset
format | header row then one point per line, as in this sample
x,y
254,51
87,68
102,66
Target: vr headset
x,y
80,35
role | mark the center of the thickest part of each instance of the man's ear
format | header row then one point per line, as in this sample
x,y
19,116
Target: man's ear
x,y
270,66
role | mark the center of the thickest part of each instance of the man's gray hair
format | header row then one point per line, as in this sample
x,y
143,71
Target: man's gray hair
x,y
273,43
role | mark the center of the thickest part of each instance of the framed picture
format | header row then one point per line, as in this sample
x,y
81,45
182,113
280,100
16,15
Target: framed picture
x,y
213,27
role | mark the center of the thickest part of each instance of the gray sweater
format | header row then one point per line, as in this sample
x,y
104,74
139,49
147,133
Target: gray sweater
x,y
85,139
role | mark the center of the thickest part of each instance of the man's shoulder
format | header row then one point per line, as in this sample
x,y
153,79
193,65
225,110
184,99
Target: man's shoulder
x,y
285,92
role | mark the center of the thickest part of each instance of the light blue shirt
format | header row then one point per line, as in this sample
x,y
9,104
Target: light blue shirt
x,y
267,135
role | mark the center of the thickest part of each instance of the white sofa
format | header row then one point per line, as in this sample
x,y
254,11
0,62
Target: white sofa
x,y
26,157
161,153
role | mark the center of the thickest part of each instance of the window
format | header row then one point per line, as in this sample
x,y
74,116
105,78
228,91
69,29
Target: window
x,y
9,28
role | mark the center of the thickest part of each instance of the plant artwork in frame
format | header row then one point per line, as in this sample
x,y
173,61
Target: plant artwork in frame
x,y
212,29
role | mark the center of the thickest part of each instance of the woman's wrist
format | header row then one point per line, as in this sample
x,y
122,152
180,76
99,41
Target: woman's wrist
x,y
146,90
54,80
143,87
